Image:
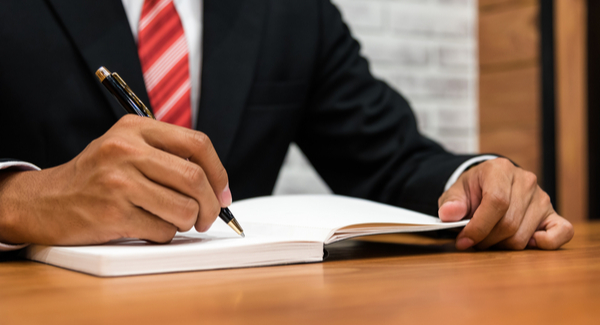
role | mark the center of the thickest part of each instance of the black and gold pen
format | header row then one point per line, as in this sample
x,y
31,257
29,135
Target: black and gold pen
x,y
133,105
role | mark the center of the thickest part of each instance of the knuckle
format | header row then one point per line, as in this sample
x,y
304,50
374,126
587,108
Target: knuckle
x,y
209,212
114,181
509,227
545,200
166,234
566,231
569,230
500,200
115,147
185,228
530,179
193,174
517,242
201,140
504,163
129,120
189,214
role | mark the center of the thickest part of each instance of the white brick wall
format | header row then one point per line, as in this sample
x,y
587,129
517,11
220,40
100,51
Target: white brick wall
x,y
425,49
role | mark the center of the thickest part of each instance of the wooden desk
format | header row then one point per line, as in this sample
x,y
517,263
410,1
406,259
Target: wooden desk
x,y
371,283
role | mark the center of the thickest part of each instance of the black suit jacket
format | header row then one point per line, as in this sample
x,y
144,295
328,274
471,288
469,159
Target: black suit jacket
x,y
273,72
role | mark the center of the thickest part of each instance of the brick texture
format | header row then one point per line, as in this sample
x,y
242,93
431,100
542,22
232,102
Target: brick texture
x,y
426,50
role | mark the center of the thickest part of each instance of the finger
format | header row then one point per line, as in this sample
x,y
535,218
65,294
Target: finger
x,y
523,189
143,225
178,174
496,185
171,206
209,208
539,209
179,209
454,203
555,231
192,145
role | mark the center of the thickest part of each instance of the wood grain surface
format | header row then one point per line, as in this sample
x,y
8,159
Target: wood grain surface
x,y
361,282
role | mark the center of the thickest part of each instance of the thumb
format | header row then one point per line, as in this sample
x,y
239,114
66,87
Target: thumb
x,y
454,203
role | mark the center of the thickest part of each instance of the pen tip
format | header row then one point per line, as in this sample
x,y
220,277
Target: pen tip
x,y
243,236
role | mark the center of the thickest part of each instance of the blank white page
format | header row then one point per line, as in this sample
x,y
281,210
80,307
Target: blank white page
x,y
329,212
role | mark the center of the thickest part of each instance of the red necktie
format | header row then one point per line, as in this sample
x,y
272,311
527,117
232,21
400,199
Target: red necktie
x,y
164,57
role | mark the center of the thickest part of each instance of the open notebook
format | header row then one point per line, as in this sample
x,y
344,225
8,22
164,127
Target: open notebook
x,y
279,230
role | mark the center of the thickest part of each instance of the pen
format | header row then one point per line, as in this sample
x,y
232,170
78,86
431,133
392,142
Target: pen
x,y
133,105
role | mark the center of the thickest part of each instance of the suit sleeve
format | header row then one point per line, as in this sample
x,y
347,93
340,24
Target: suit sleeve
x,y
361,136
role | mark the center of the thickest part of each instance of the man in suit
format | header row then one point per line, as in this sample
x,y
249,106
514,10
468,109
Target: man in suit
x,y
272,72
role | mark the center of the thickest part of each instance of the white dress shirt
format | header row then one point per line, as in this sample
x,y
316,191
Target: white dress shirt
x,y
190,13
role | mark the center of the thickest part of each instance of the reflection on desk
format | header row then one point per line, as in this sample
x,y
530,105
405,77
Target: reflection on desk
x,y
361,282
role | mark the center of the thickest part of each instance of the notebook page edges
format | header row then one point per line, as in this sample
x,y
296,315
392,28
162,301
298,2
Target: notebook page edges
x,y
189,251
388,228
333,213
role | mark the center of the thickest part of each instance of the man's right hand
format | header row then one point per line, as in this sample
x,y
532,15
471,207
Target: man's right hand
x,y
141,179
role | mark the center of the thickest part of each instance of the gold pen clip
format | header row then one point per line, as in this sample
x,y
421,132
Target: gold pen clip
x,y
131,94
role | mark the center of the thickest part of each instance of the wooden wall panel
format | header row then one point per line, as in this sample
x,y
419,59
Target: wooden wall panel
x,y
571,108
510,116
508,99
509,34
510,107
487,4
509,82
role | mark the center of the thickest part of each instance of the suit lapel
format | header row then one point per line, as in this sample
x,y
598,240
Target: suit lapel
x,y
232,33
101,33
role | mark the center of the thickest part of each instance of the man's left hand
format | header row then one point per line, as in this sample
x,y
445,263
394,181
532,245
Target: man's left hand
x,y
507,209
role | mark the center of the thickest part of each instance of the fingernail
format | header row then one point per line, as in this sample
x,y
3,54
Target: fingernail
x,y
464,243
226,198
453,211
532,243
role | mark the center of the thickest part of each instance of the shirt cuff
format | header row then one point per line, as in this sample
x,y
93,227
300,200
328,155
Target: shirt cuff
x,y
464,166
16,165
7,247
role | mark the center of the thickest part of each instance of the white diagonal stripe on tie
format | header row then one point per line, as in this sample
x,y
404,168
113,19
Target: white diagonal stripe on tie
x,y
164,64
155,11
181,91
